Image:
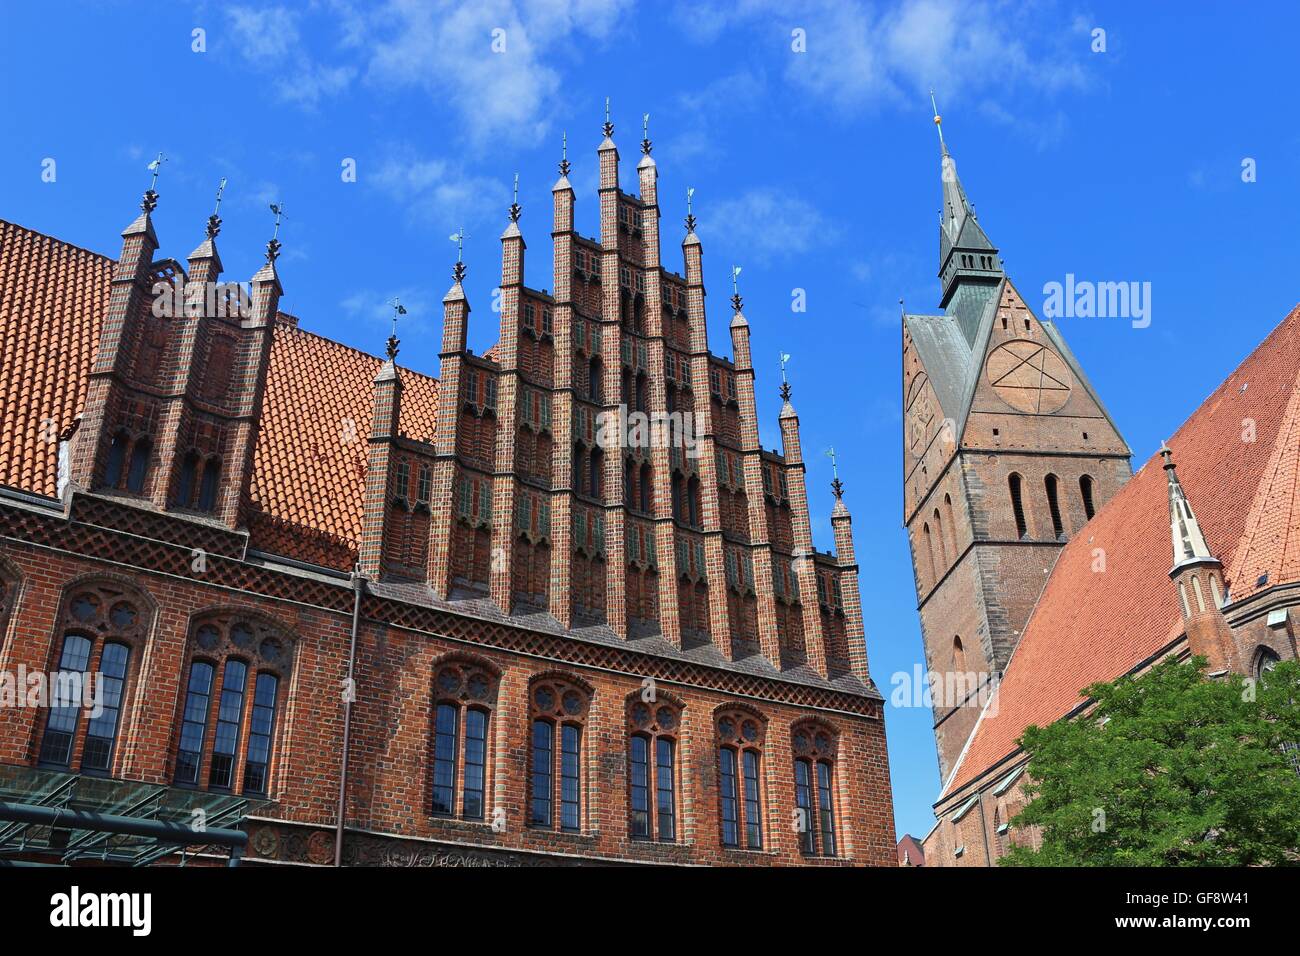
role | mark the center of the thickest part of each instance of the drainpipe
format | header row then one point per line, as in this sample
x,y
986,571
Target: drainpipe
x,y
349,692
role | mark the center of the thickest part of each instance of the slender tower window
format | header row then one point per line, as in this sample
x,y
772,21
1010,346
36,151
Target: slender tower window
x,y
1085,490
1054,506
1018,505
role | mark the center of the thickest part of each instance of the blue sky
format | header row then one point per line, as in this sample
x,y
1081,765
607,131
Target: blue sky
x,y
814,170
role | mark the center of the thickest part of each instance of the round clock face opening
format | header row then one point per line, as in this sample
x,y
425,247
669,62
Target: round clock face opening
x,y
1029,377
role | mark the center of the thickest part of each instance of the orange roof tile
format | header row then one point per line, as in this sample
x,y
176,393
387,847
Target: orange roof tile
x,y
1090,625
308,468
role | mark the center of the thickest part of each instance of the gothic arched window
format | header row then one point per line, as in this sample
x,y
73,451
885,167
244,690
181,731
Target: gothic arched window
x,y
1054,506
814,783
558,709
139,469
1018,504
464,696
116,460
1085,491
103,628
238,669
652,765
208,485
740,779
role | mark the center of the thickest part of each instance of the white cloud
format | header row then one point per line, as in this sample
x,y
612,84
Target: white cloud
x,y
270,40
766,224
435,191
488,60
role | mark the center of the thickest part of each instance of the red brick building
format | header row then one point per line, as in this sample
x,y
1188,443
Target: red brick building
x,y
1041,565
540,646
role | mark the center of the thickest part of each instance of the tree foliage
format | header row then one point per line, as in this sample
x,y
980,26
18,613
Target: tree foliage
x,y
1169,769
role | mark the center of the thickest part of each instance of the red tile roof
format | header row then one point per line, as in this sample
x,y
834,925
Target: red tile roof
x,y
52,297
308,469
1091,626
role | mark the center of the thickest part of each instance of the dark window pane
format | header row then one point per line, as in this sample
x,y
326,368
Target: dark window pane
x,y
101,731
139,466
664,789
195,720
570,817
753,816
444,758
208,488
727,790
230,711
476,722
826,808
261,725
543,747
803,801
640,822
65,701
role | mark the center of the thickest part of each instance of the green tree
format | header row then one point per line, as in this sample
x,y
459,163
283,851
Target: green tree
x,y
1169,769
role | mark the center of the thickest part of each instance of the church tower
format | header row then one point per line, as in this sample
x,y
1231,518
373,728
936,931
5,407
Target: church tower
x,y
1008,452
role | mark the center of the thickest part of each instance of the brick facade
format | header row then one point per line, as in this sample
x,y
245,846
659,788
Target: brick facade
x,y
506,557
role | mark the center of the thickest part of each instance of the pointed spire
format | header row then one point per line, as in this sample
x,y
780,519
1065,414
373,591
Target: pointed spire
x,y
938,124
1188,542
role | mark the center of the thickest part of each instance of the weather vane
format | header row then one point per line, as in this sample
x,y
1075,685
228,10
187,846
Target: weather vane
x,y
564,153
458,237
646,145
393,341
785,385
609,127
938,121
735,288
515,209
273,247
214,221
837,486
154,167
690,216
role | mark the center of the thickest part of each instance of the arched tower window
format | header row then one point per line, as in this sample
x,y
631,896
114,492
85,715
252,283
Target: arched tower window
x,y
189,471
1018,504
740,780
929,548
1085,491
208,486
464,697
559,711
139,469
1265,660
116,460
594,380
1054,506
814,787
958,656
942,562
652,769
238,671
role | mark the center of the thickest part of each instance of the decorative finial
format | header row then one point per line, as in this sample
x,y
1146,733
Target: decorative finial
x,y
1167,454
515,208
735,288
214,221
393,341
938,123
273,247
646,145
785,385
458,237
690,217
837,486
150,199
564,154
608,127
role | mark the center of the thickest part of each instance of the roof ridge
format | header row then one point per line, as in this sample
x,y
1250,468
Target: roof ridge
x,y
63,242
